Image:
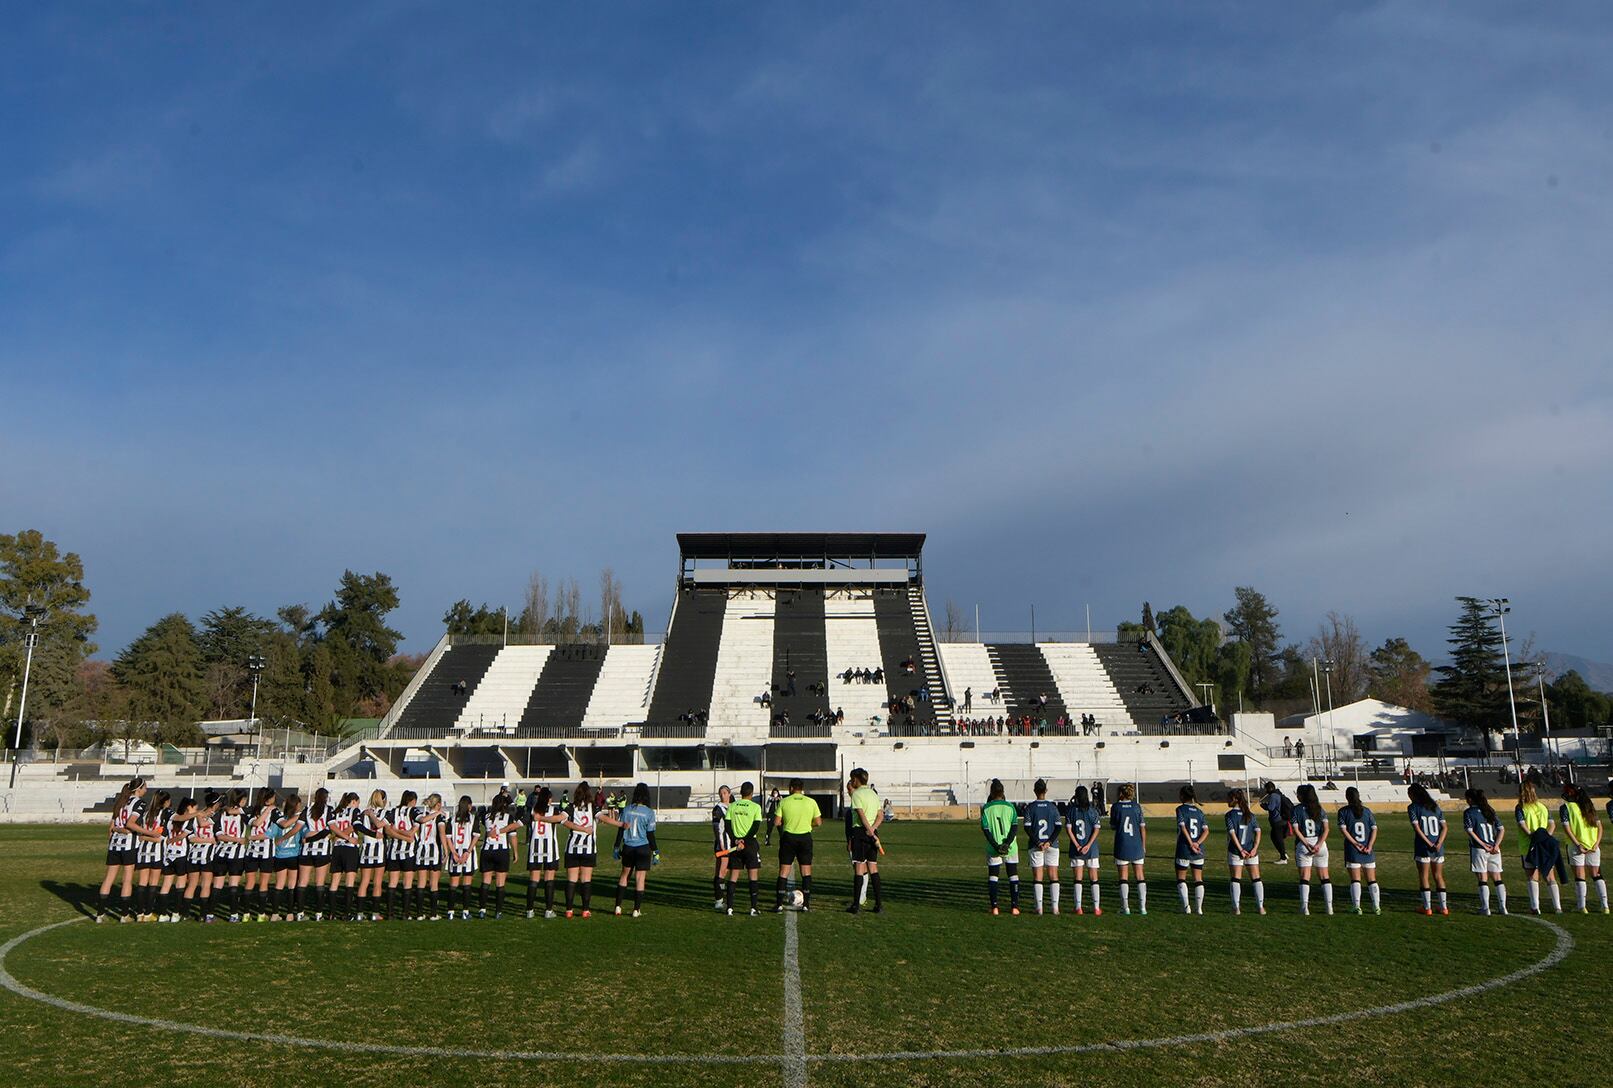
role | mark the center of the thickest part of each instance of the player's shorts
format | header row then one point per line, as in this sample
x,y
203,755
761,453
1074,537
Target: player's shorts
x,y
1238,861
344,859
1428,859
1304,857
228,866
1138,860
179,866
1045,858
1483,861
462,868
404,864
1355,859
1591,859
287,865
1088,860
1190,861
547,866
581,861
795,847
864,848
638,857
120,857
149,864
746,855
495,861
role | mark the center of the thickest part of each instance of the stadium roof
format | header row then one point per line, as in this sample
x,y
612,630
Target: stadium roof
x,y
765,545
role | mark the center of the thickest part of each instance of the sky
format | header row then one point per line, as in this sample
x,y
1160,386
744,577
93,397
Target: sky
x,y
1115,302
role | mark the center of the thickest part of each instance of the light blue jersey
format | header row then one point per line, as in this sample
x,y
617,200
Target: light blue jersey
x,y
639,821
1242,829
1360,829
1084,824
1429,820
1190,827
1126,820
292,846
1042,823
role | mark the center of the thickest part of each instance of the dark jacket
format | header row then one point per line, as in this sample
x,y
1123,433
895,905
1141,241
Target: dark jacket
x,y
1545,854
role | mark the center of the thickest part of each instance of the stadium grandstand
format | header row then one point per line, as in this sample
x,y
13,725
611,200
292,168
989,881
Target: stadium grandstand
x,y
786,655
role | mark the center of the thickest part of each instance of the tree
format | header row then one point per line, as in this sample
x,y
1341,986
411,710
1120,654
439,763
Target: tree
x,y
1338,640
353,629
952,623
1148,619
1574,705
535,607
1472,689
611,619
1253,621
34,572
227,638
162,674
1399,674
464,619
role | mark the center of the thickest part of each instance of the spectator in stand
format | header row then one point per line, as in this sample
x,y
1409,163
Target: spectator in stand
x,y
968,699
1288,749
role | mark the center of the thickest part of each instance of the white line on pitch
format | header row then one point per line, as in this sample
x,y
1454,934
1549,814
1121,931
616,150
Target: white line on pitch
x,y
795,1059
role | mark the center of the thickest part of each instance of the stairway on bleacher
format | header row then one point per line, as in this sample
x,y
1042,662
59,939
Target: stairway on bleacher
x,y
1027,679
851,642
898,642
799,638
688,665
501,698
1131,668
564,688
1084,684
436,707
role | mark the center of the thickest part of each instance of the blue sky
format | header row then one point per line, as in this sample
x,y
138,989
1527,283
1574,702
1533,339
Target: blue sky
x,y
1115,302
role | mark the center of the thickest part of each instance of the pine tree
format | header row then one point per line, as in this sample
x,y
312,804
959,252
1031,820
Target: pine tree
x,y
1253,622
1472,689
162,672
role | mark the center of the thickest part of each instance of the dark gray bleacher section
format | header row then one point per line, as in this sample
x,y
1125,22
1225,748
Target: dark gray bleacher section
x,y
435,706
689,657
898,641
1025,670
799,642
1129,669
560,697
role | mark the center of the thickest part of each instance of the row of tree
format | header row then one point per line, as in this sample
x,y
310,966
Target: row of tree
x,y
317,667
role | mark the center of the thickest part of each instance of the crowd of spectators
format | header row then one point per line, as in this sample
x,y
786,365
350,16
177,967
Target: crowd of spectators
x,y
875,675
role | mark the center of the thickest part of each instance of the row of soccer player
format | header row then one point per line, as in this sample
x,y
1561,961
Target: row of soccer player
x,y
279,858
1080,822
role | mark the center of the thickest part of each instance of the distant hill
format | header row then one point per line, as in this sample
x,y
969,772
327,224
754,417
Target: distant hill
x,y
1598,674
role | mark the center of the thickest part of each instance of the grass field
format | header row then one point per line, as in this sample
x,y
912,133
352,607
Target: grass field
x,y
935,973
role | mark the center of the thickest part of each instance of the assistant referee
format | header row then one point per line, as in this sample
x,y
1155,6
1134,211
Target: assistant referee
x,y
797,814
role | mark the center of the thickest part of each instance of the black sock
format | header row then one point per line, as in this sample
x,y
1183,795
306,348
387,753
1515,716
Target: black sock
x,y
298,897
498,899
100,903
620,889
717,887
778,891
728,896
638,898
548,895
587,893
125,902
806,891
879,898
464,895
391,903
571,891
481,899
750,883
857,890
207,904
531,894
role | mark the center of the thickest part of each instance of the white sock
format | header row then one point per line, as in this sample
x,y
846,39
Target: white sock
x,y
1444,904
1355,894
1077,893
1501,896
1142,895
1260,894
1327,895
1484,897
1601,891
1428,899
1373,888
1534,895
1579,895
1305,897
864,899
1198,897
1038,895
1125,895
1557,898
1181,892
1055,896
1237,894
1094,895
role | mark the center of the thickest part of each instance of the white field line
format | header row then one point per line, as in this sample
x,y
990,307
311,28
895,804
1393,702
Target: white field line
x,y
795,1056
797,1059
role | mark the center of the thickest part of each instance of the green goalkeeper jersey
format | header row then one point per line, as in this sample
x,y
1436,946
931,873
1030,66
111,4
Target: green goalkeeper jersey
x,y
1000,822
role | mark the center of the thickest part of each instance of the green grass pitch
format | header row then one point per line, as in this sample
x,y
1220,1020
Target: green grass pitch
x,y
935,973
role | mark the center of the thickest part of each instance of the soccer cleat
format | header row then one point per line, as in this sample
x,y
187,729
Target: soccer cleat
x,y
1097,912
1080,910
729,911
1236,911
1055,912
1038,912
754,913
124,918
550,914
1426,911
587,914
568,914
994,912
1201,910
99,918
319,916
618,912
1014,911
1357,910
1445,910
1125,911
877,910
529,915
481,913
1262,910
719,905
1305,912
853,909
1142,910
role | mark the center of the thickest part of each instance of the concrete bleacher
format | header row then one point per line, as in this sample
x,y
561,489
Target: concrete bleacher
x,y
898,642
851,640
1027,680
500,699
1130,668
1084,683
969,667
564,688
621,692
798,646
436,707
688,663
744,666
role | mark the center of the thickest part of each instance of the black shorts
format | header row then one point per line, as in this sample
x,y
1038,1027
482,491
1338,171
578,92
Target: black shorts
x,y
176,867
287,865
581,861
747,855
228,866
495,861
157,865
638,857
120,857
794,847
400,865
542,866
427,866
314,861
344,859
863,847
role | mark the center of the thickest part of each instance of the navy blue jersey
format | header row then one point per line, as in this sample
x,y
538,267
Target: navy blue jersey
x,y
1309,828
1242,829
1126,820
1084,825
1475,823
1360,829
1042,823
1430,821
1190,827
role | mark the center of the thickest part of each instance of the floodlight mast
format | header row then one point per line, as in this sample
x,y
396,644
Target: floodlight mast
x,y
1499,607
33,613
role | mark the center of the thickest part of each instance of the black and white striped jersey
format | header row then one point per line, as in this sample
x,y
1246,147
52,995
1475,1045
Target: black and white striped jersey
x,y
233,825
427,847
496,828
543,838
461,836
402,818
722,836
202,840
313,825
150,851
341,826
132,811
372,840
584,841
175,838
266,824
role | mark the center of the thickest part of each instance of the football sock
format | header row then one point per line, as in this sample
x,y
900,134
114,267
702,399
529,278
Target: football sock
x,y
100,904
1125,895
1260,894
571,891
992,868
531,894
1094,895
1142,893
728,896
498,900
621,890
858,887
548,895
1557,898
1534,895
750,884
1501,896
1181,892
588,893
126,901
638,898
717,887
1055,890
481,897
1601,891
1443,901
1013,884
1078,895
1236,888
879,896
1355,894
1428,899
1305,897
1038,897
1484,897
1198,897
1327,895
806,890
778,892
1579,894
1373,889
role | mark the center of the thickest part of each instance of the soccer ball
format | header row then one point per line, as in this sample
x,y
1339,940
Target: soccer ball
x,y
797,899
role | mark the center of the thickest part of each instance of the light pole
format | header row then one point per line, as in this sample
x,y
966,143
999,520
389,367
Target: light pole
x,y
255,665
1499,607
1327,679
1545,711
33,613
